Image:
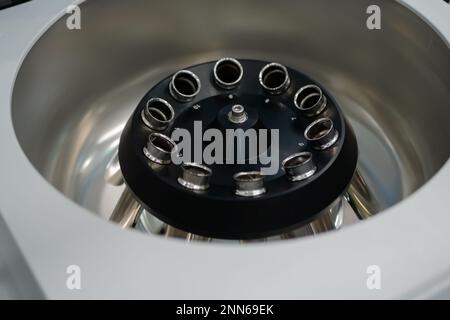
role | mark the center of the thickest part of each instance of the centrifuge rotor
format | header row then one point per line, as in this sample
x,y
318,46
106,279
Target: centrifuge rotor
x,y
311,147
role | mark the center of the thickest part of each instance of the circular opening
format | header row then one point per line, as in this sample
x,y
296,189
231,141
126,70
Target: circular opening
x,y
318,129
274,78
297,160
197,169
185,85
228,72
162,142
160,110
237,108
308,97
299,166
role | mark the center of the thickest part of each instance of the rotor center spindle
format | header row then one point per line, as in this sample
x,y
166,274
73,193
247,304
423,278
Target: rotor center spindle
x,y
237,114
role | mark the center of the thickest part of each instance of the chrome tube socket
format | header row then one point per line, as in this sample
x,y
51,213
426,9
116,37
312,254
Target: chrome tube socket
x,y
274,78
184,86
310,100
157,114
321,134
228,73
249,184
299,166
160,148
195,176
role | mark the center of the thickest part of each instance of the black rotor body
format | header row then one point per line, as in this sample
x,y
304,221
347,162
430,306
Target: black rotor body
x,y
218,212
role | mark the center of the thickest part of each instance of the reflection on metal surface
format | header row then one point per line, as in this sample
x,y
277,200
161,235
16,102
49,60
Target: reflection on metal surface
x,y
127,210
193,237
360,198
113,174
332,218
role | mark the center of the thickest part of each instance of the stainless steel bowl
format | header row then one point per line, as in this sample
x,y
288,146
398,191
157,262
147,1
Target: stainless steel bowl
x,y
75,89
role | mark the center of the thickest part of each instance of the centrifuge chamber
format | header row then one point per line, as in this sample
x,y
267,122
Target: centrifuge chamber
x,y
67,94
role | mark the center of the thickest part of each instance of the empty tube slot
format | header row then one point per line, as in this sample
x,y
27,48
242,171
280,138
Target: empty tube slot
x,y
310,100
195,176
249,184
184,86
159,148
321,134
157,114
299,166
274,78
228,73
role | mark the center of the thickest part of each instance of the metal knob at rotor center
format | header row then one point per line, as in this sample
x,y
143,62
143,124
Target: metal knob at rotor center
x,y
237,114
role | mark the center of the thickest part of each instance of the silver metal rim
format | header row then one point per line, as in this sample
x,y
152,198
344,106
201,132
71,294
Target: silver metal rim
x,y
237,117
194,186
167,154
249,192
305,175
280,88
318,107
329,142
228,85
157,124
176,94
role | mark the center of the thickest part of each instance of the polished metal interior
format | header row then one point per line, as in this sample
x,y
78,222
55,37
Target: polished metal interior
x,y
77,88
